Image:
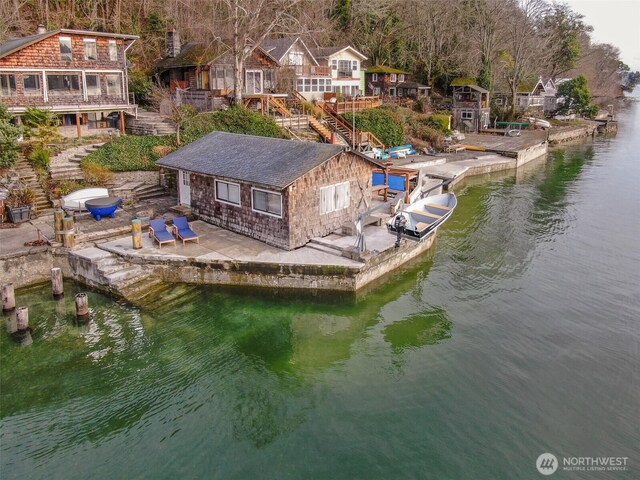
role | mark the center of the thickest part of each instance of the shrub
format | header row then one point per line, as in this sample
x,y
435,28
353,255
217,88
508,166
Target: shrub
x,y
41,125
40,157
129,153
382,122
96,174
21,198
439,122
234,120
9,135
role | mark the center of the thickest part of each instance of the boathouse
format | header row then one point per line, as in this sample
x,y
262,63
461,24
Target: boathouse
x,y
281,192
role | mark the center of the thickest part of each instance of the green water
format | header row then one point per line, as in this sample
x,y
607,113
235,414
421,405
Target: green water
x,y
517,334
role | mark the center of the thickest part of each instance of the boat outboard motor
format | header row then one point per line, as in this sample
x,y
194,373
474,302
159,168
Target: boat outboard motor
x,y
399,223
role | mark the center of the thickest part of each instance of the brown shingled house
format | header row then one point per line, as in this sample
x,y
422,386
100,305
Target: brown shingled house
x,y
80,75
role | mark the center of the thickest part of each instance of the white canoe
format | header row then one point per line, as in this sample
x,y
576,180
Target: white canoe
x,y
75,200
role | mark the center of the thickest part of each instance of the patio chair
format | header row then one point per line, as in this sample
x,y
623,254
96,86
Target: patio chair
x,y
158,230
182,230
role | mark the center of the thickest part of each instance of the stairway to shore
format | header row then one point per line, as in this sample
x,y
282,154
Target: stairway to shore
x,y
107,271
66,165
29,178
149,123
138,191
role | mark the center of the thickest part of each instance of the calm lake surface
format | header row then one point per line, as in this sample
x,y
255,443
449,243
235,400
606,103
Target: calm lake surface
x,y
518,334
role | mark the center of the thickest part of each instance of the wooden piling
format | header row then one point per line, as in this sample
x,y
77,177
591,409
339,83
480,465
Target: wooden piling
x,y
56,283
82,306
8,298
136,233
58,217
69,236
12,323
22,319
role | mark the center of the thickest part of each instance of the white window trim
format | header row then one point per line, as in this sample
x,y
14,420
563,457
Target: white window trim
x,y
267,191
393,78
334,189
374,77
470,112
89,40
65,39
114,44
215,187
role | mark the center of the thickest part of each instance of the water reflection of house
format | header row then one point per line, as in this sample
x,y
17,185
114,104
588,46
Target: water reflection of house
x,y
77,74
470,105
278,191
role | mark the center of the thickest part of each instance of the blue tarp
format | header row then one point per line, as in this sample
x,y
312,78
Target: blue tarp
x,y
396,182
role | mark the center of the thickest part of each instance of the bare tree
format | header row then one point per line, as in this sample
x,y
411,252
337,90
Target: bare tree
x,y
242,25
523,45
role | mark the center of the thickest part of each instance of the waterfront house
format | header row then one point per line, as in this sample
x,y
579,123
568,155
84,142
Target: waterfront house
x,y
345,63
80,75
300,71
384,81
203,73
281,192
470,106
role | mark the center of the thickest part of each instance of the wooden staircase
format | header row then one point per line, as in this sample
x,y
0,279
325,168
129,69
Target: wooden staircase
x,y
363,141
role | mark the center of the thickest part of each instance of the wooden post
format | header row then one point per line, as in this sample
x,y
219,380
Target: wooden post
x,y
22,319
69,236
82,306
12,323
136,233
78,126
122,122
58,216
56,283
8,298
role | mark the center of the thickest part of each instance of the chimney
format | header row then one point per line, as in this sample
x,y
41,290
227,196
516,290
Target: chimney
x,y
41,29
173,43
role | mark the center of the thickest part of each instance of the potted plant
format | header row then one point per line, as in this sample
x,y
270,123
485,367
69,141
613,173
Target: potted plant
x,y
19,204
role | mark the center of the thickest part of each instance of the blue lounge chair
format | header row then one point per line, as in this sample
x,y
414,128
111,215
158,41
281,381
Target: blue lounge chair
x,y
182,230
158,230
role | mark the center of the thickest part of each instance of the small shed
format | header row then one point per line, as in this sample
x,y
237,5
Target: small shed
x,y
470,106
281,192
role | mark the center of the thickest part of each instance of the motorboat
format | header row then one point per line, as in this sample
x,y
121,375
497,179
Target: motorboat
x,y
420,218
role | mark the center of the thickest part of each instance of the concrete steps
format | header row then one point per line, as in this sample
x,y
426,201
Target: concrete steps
x,y
149,123
66,165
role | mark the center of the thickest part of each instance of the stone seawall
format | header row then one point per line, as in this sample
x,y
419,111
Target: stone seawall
x,y
33,266
567,134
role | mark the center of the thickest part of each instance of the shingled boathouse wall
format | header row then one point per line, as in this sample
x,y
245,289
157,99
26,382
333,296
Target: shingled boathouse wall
x,y
320,167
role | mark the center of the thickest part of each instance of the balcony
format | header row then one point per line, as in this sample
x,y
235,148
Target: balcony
x,y
311,70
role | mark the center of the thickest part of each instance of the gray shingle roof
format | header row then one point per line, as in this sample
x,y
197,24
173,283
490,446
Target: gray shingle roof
x,y
272,162
17,43
277,47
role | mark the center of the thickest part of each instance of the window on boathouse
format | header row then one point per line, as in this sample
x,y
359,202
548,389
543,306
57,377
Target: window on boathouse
x,y
266,202
227,192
